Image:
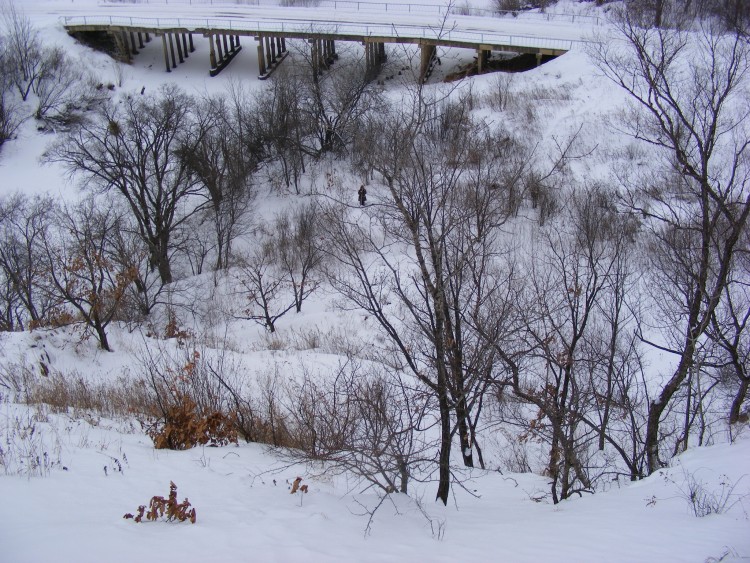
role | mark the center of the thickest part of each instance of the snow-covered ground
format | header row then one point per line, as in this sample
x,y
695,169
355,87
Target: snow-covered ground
x,y
93,470
245,511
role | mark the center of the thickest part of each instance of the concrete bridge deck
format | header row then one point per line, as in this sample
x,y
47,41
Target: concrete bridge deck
x,y
271,25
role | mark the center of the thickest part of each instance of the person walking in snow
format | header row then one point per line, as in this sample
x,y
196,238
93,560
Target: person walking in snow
x,y
362,195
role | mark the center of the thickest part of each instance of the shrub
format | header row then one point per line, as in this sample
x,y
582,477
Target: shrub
x,y
160,507
183,426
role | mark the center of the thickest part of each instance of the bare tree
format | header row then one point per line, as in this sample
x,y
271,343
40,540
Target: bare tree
x,y
64,90
730,332
132,254
443,204
81,269
24,223
131,150
224,159
23,49
298,250
576,270
282,126
265,284
698,209
11,115
334,103
364,422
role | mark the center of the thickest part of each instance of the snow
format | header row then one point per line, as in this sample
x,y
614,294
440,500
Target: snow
x,y
245,509
98,469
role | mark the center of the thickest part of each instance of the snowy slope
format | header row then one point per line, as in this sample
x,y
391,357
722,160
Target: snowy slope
x,y
96,470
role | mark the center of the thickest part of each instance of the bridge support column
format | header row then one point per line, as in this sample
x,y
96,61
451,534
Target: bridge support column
x,y
121,44
179,48
269,56
314,59
223,48
374,58
140,40
483,57
184,45
211,53
148,37
192,47
218,49
538,59
271,53
171,50
427,62
322,59
371,60
166,53
133,48
261,57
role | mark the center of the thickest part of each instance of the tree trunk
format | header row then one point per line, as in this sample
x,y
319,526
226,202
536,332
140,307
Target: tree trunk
x,y
739,398
658,406
444,460
102,335
463,432
160,259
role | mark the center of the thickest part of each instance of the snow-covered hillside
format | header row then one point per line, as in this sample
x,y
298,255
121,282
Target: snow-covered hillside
x,y
73,462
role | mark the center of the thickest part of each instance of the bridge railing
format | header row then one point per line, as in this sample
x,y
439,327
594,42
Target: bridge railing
x,y
388,7
320,28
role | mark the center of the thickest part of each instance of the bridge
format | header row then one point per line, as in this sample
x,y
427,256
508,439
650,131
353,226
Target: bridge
x,y
271,26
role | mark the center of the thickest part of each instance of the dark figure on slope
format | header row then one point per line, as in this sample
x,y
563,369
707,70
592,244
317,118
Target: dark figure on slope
x,y
362,195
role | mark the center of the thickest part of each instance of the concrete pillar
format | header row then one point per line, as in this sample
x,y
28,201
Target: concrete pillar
x,y
314,57
184,45
278,45
133,49
226,47
179,48
212,52
140,40
269,58
428,51
171,50
192,47
148,37
383,56
273,50
538,59
481,60
123,46
261,57
218,49
166,53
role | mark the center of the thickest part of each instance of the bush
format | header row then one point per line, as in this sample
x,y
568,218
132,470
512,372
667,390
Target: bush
x,y
160,507
183,427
